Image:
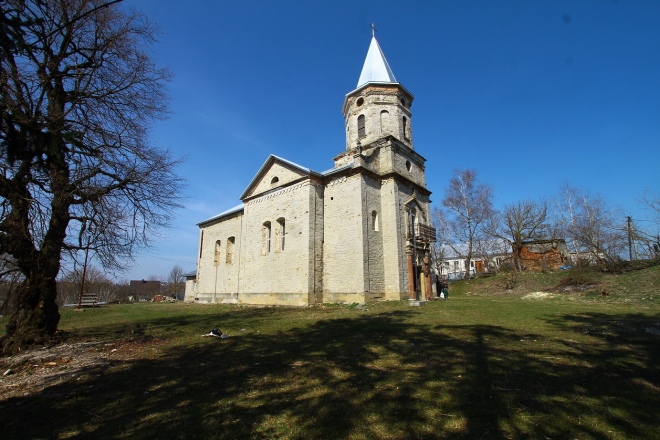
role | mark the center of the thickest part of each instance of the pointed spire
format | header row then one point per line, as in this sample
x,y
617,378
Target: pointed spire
x,y
376,68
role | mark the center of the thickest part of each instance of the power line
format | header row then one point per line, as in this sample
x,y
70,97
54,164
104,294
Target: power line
x,y
169,259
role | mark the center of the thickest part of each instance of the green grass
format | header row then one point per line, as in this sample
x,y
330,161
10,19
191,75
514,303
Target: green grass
x,y
483,365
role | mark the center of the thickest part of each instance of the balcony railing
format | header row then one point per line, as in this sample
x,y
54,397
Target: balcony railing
x,y
425,233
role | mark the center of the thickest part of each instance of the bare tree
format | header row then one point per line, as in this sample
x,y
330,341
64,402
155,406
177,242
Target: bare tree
x,y
467,206
518,223
652,202
92,279
176,280
591,226
565,215
493,252
78,91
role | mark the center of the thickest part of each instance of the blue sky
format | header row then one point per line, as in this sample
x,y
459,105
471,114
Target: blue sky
x,y
531,94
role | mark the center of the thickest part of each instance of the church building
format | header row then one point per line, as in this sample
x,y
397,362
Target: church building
x,y
357,232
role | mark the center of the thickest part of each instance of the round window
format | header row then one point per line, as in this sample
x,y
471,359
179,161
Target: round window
x,y
359,102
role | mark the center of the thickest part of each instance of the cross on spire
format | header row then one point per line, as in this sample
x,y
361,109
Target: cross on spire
x,y
373,30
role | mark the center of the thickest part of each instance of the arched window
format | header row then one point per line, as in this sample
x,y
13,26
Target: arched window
x,y
280,234
384,116
374,220
216,253
265,239
405,127
361,128
230,250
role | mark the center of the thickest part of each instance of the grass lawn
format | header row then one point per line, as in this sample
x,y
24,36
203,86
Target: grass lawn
x,y
480,366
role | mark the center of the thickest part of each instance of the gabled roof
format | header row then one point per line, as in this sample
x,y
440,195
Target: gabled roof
x,y
375,69
269,162
234,210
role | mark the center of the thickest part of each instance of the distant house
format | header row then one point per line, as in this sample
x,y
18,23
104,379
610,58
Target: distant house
x,y
453,265
142,290
542,255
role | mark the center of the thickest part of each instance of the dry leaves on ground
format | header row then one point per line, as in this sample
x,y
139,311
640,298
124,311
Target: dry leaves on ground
x,y
33,371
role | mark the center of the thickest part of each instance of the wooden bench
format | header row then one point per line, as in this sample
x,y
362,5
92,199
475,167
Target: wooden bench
x,y
89,300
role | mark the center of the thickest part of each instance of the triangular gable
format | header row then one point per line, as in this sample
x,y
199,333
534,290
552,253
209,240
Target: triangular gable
x,y
412,202
275,173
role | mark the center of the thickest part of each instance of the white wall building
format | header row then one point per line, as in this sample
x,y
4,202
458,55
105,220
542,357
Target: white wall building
x,y
356,232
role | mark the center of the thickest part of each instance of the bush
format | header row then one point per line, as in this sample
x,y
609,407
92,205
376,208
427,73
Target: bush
x,y
510,276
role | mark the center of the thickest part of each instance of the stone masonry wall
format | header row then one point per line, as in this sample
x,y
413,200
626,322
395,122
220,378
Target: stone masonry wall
x,y
282,174
375,282
393,244
343,253
538,262
274,275
384,112
316,245
218,279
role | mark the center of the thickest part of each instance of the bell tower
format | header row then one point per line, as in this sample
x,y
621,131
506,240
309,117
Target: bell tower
x,y
379,106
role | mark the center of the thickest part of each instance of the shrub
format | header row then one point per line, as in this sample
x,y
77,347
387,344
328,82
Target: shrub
x,y
510,276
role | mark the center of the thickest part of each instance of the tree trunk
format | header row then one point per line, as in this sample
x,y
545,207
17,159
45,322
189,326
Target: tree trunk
x,y
517,250
36,317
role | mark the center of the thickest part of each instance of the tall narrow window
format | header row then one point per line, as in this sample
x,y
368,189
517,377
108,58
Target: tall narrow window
x,y
201,242
361,129
216,253
384,116
413,222
405,128
281,231
230,250
374,220
265,239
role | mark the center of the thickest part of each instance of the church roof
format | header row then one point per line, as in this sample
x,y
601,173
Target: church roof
x,y
226,213
376,68
271,159
269,162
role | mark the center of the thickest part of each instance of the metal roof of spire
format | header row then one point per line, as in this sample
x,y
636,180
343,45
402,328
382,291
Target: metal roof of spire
x,y
375,67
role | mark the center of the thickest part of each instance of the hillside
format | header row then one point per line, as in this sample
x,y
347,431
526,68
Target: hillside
x,y
639,286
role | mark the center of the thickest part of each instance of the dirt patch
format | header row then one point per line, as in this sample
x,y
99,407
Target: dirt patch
x,y
33,371
578,281
538,295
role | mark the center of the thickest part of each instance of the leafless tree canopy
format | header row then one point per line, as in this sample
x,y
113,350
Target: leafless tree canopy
x,y
176,282
590,225
96,281
466,208
652,202
520,222
78,94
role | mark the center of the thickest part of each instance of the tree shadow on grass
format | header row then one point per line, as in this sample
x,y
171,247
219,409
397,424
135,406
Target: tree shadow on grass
x,y
377,375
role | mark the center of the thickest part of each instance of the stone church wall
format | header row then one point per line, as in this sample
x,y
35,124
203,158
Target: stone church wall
x,y
343,256
383,112
416,172
278,175
217,272
316,245
393,243
372,214
271,275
